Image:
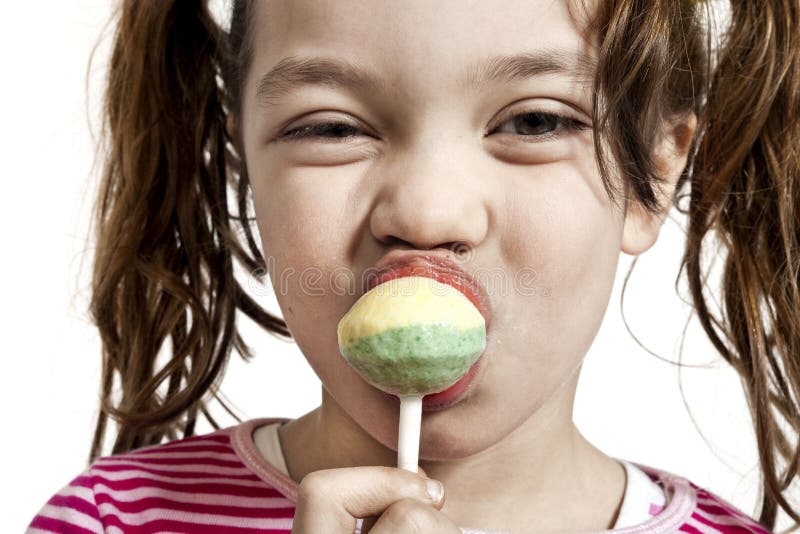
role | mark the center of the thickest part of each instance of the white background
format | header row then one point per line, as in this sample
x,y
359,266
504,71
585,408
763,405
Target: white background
x,y
629,402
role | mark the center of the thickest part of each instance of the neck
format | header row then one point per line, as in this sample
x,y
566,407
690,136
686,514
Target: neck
x,y
545,470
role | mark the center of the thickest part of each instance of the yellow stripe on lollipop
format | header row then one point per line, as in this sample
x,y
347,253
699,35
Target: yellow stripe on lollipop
x,y
405,301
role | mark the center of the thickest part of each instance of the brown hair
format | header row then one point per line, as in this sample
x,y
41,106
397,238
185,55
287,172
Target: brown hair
x,y
744,177
168,235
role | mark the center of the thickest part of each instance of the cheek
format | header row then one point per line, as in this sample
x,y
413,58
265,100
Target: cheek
x,y
562,253
306,227
294,218
307,221
304,214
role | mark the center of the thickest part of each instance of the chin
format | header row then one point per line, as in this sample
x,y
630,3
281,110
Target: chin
x,y
464,429
457,432
449,448
451,434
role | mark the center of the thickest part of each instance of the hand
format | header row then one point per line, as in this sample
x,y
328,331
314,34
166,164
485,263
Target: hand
x,y
330,500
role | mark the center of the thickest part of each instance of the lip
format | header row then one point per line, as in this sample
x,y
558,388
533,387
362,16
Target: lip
x,y
400,263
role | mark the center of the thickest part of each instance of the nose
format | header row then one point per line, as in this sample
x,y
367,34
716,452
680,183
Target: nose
x,y
430,197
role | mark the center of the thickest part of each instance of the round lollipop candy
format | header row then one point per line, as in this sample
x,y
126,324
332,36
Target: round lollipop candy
x,y
412,336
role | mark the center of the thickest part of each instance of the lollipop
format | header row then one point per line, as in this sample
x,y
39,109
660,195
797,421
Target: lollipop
x,y
412,336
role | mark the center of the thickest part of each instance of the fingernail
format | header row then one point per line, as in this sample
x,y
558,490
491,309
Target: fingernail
x,y
435,490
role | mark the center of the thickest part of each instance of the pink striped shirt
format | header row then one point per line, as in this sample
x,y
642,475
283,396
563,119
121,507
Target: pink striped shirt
x,y
220,483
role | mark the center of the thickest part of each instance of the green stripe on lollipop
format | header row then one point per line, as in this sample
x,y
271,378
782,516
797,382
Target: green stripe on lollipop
x,y
417,359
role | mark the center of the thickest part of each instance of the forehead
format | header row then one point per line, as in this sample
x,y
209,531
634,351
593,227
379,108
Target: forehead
x,y
425,43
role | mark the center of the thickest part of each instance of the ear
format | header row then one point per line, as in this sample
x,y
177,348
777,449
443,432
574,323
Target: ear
x,y
642,227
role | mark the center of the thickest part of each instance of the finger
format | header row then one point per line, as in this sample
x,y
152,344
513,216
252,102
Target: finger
x,y
329,500
410,515
369,522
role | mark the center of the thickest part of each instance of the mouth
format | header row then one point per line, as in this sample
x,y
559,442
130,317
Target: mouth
x,y
440,268
444,270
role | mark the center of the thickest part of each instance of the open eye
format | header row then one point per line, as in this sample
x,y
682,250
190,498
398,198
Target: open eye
x,y
539,125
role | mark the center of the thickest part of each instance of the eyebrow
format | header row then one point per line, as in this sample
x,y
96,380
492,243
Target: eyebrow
x,y
293,72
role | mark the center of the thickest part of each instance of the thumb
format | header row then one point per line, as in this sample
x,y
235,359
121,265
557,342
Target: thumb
x,y
330,500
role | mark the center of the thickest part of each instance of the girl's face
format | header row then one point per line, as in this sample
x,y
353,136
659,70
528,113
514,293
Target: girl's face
x,y
433,148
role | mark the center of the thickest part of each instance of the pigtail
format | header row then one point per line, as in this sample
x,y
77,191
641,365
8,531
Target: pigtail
x,y
658,59
163,285
746,188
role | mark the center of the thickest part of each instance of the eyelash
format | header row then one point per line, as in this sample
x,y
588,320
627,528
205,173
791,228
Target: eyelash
x,y
563,123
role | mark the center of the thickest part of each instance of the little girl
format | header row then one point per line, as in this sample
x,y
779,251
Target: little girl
x,y
506,142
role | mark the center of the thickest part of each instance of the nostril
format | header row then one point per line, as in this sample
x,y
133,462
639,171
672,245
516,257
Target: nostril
x,y
460,251
395,242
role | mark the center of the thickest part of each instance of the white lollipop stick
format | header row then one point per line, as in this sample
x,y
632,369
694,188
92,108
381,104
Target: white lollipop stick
x,y
408,437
